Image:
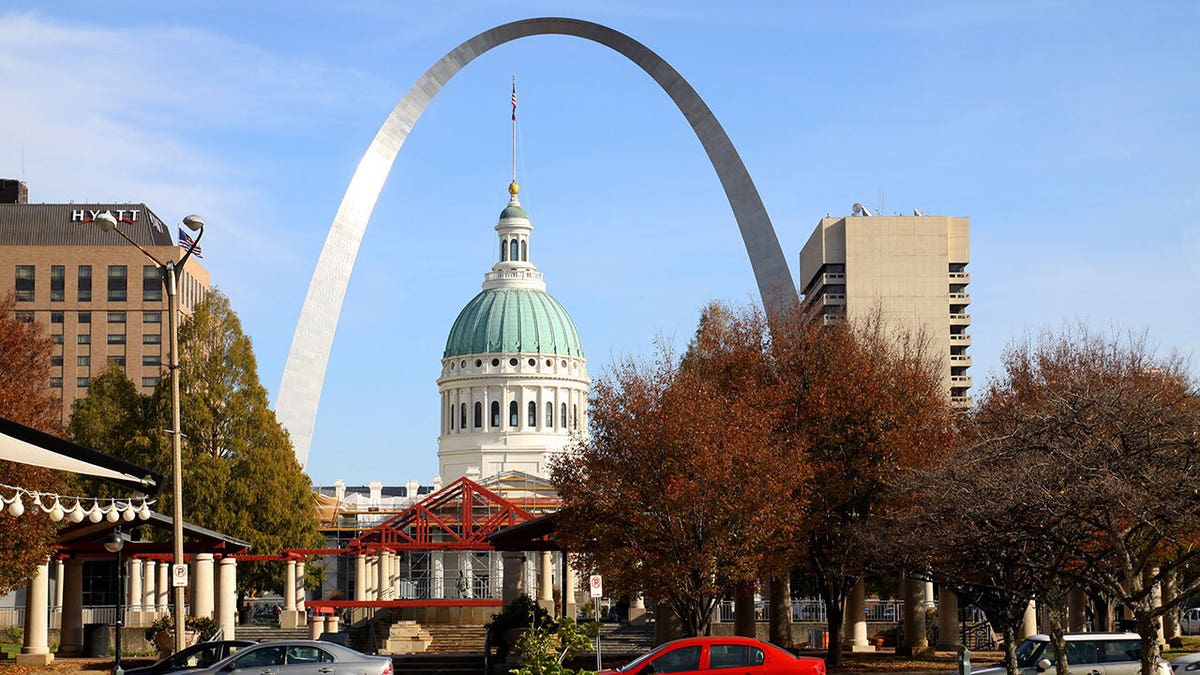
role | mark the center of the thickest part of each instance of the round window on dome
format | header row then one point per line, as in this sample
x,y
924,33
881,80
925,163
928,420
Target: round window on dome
x,y
532,362
463,364
495,362
564,363
549,363
451,366
478,362
512,362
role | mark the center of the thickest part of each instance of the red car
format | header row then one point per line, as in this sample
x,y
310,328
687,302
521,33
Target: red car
x,y
743,656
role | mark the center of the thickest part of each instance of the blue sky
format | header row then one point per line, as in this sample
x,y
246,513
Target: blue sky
x,y
1067,131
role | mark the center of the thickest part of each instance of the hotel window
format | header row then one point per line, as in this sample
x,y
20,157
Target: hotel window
x,y
56,382
152,285
24,288
85,283
151,317
155,361
55,361
116,317
84,317
24,317
57,338
149,381
83,361
152,339
58,283
116,338
83,382
83,339
118,283
118,360
56,317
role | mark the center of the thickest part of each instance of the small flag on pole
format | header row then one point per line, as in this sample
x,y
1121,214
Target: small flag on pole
x,y
514,100
188,244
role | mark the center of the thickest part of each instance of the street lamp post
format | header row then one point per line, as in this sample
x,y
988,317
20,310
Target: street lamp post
x,y
114,543
170,275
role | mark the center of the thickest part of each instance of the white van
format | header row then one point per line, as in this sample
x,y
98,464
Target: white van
x,y
1189,621
1087,654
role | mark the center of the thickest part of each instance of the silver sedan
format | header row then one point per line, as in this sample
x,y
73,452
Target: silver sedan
x,y
300,657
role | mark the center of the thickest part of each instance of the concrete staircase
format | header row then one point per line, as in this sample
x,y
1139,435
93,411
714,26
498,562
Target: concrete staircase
x,y
618,640
455,639
270,633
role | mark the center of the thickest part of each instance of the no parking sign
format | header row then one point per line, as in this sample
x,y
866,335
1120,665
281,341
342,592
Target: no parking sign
x,y
597,585
179,576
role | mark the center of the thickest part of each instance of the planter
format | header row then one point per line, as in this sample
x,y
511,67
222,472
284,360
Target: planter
x,y
165,641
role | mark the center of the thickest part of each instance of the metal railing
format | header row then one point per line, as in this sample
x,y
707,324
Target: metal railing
x,y
813,610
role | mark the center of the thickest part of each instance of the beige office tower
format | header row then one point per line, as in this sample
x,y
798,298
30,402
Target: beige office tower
x,y
914,268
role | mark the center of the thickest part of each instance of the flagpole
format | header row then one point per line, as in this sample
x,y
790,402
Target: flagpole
x,y
514,128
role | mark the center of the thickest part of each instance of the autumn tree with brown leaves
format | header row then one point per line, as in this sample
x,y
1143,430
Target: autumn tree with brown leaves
x,y
25,398
679,491
864,404
1116,428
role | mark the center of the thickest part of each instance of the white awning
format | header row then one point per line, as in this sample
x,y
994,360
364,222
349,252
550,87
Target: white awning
x,y
22,444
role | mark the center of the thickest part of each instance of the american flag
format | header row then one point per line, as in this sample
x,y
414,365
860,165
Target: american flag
x,y
188,244
514,101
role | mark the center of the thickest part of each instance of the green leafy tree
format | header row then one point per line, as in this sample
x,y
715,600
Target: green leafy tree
x,y
240,475
25,398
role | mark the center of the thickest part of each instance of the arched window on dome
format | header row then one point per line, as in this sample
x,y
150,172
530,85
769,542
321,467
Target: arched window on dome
x,y
532,414
562,418
495,414
575,417
513,414
503,250
462,419
451,414
512,250
478,414
524,251
550,415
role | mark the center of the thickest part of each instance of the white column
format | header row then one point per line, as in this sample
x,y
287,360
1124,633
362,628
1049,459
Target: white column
x,y
383,568
71,638
856,619
437,571
1029,623
301,594
546,586
59,569
135,591
149,579
35,650
289,587
915,641
1076,610
948,633
227,596
360,577
514,575
163,588
203,583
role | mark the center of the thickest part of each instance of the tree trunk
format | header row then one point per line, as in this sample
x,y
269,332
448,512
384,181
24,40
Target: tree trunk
x,y
744,623
1010,649
835,613
1151,650
781,611
1056,618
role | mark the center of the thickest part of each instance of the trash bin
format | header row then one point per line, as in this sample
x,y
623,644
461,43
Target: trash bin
x,y
95,640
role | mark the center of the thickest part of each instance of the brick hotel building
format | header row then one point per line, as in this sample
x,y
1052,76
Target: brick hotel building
x,y
98,297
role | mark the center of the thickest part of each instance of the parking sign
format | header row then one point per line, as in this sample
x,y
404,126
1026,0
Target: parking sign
x,y
597,585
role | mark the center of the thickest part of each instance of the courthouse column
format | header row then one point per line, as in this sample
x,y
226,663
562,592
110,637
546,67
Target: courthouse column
x,y
856,618
35,650
71,640
227,596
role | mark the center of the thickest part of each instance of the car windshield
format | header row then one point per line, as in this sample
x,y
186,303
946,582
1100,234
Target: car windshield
x,y
633,665
1030,652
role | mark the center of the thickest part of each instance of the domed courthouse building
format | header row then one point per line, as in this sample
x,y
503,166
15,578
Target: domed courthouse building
x,y
514,379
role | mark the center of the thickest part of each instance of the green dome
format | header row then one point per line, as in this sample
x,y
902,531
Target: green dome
x,y
513,211
508,320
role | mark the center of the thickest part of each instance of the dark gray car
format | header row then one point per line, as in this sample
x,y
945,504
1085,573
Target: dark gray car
x,y
300,657
199,655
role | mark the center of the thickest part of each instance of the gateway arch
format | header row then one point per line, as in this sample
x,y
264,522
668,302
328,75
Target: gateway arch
x,y
304,372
